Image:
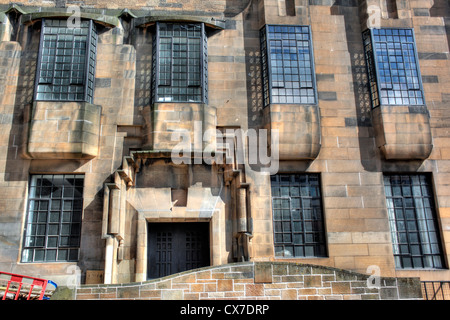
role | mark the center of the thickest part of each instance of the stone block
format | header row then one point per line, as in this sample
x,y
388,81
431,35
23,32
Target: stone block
x,y
388,293
172,294
128,292
64,130
289,294
252,290
341,288
168,124
313,281
225,285
298,128
263,273
409,288
280,269
403,133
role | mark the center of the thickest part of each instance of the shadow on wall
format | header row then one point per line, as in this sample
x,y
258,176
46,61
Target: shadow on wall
x,y
441,8
370,154
350,11
234,7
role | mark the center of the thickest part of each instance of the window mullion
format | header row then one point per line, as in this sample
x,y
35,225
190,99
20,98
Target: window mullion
x,y
269,64
39,61
87,61
171,63
71,81
204,64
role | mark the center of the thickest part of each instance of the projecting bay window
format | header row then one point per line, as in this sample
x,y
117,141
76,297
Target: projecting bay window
x,y
180,63
287,65
298,221
412,218
393,67
66,64
53,223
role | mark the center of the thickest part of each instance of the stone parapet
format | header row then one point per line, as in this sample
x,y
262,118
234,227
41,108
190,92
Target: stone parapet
x,y
256,280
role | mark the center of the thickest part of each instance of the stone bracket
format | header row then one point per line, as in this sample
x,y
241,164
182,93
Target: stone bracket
x,y
402,132
299,130
63,130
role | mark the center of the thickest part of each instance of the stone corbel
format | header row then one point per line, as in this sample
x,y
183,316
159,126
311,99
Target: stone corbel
x,y
403,132
128,171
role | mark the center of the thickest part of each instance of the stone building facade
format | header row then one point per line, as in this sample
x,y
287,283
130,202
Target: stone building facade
x,y
146,138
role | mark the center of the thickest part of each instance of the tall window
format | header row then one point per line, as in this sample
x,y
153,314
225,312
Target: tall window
x,y
53,224
297,216
393,67
412,219
66,65
180,63
287,62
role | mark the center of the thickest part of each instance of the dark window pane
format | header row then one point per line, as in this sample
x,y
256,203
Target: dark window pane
x,y
393,68
62,71
55,222
295,220
416,243
180,55
288,76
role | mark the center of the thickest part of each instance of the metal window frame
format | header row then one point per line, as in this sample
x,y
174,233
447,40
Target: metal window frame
x,y
49,199
395,233
436,290
86,97
323,244
203,64
373,69
268,62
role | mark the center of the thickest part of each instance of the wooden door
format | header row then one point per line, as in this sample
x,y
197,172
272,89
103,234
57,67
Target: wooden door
x,y
177,247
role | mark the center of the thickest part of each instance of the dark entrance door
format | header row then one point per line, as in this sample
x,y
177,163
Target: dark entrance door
x,y
176,247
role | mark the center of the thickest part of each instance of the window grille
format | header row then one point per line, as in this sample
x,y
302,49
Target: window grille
x,y
412,219
53,224
288,65
180,63
436,290
298,221
393,69
66,65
